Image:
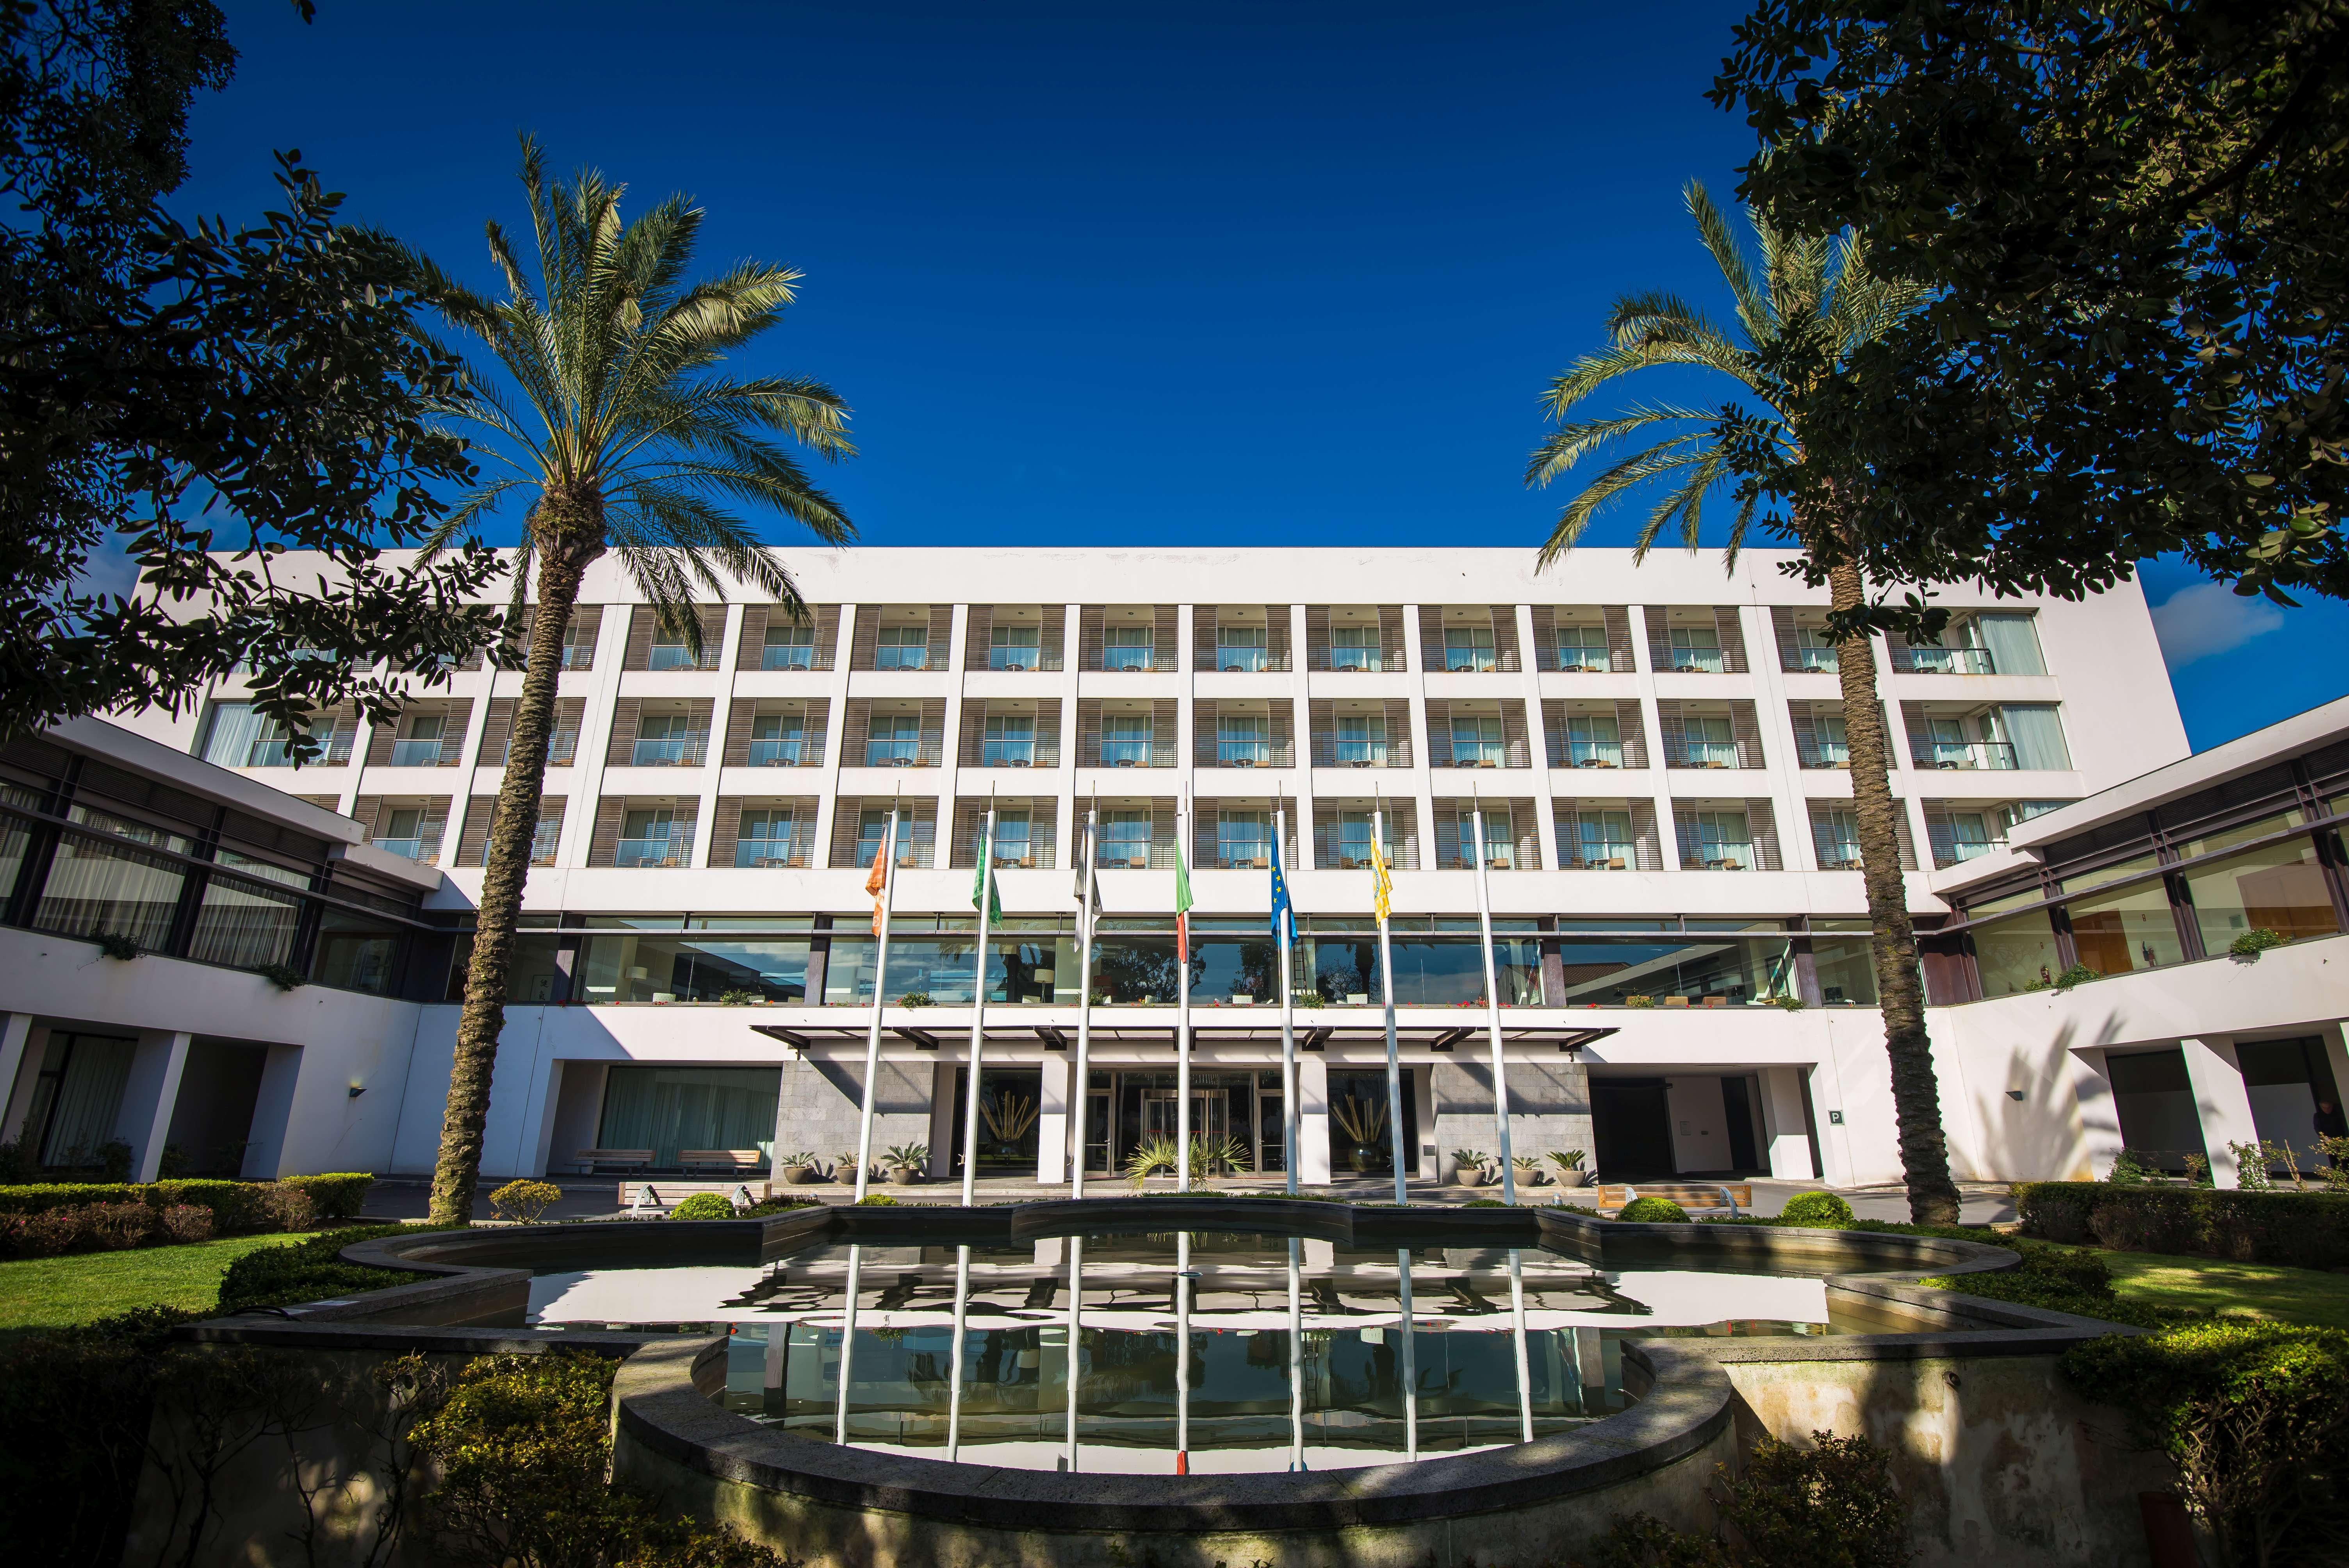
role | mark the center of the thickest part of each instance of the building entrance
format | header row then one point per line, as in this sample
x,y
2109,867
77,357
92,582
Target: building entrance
x,y
1631,1123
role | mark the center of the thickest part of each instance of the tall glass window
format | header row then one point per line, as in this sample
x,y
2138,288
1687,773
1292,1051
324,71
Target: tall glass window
x,y
96,888
1719,842
1710,741
1125,838
1361,740
1606,842
1243,740
2115,933
648,837
1240,647
1593,740
667,740
777,739
1355,648
1476,740
671,1110
1125,740
1584,649
1830,742
1812,650
1468,647
1695,648
893,740
2280,888
355,953
1014,647
1243,839
418,743
901,648
788,646
2017,954
244,926
1126,647
769,837
1835,834
1014,843
1009,741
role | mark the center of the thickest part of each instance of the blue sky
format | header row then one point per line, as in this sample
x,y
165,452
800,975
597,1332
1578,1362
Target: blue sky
x,y
1140,272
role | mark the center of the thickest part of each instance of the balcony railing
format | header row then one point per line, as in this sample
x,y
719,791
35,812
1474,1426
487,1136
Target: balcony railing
x,y
787,656
1137,754
1602,858
1946,662
1814,660
1243,857
1013,658
1243,660
1696,661
678,656
1996,756
1480,661
651,853
425,847
683,751
1245,753
1586,754
899,657
417,753
1724,857
1362,754
771,854
1135,855
1827,754
1344,658
1007,754
901,753
777,753
1586,661
1712,754
916,852
1147,659
1479,753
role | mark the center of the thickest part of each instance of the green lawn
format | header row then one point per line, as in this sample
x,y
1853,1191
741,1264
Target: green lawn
x,y
2229,1289
56,1292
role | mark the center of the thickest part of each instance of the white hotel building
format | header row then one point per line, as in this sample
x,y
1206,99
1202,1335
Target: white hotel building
x,y
1656,747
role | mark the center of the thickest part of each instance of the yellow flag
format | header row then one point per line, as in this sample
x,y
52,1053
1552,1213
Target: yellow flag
x,y
1381,884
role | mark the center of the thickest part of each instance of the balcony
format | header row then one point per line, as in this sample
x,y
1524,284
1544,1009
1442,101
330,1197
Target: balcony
x,y
679,751
1245,659
651,853
425,849
1944,661
787,656
1135,855
1023,658
1587,754
421,751
775,854
776,753
1996,756
901,753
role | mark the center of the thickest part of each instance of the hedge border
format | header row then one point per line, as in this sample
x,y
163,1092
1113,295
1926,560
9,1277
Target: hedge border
x,y
2300,1230
235,1205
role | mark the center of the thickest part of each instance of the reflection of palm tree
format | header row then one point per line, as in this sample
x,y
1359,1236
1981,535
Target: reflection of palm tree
x,y
1362,1119
1008,1116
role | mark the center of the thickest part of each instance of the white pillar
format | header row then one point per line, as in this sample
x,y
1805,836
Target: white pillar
x,y
16,1042
1782,1121
2221,1104
1052,1120
148,1098
1313,1118
2100,1139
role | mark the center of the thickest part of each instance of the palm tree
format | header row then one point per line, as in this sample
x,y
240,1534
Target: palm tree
x,y
1809,301
616,428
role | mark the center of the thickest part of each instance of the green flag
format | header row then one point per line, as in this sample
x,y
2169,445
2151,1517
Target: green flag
x,y
984,888
1182,907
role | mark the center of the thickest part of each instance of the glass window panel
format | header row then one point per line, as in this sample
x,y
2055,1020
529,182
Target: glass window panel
x,y
242,925
1584,649
1476,740
634,967
16,838
1467,647
1361,739
1593,740
1125,739
2017,955
2119,931
1720,841
1500,838
1243,740
1243,839
1830,744
96,888
901,648
1846,967
2241,833
670,1110
1010,1100
1125,838
788,646
1126,647
234,731
1836,836
2279,888
1695,648
1014,647
1606,840
355,952
777,739
2139,865
1240,647
1710,741
1355,648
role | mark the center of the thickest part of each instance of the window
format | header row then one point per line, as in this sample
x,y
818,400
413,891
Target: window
x,y
1125,740
1010,741
1243,839
2240,833
1014,647
1843,957
1355,648
893,740
1126,647
409,831
1468,647
95,887
418,743
1476,740
669,650
1835,834
901,648
1971,835
2034,736
1014,843
1242,741
777,739
2278,888
1354,841
356,952
1593,740
2115,933
1812,650
648,837
1949,745
1125,838
667,740
546,834
1361,740
1960,654
768,838
1708,741
1584,649
788,646
1718,841
242,925
1695,648
670,1110
2011,645
2016,955
579,643
1500,838
1607,841
1830,743
237,736
1240,648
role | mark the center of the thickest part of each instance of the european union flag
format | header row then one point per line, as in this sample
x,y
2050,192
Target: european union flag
x,y
1284,919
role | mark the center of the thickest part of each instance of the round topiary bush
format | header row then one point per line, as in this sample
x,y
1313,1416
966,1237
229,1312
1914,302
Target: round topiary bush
x,y
1652,1212
703,1206
1823,1210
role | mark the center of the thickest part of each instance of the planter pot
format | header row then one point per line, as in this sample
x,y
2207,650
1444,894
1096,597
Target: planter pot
x,y
902,1175
1468,1176
797,1175
1531,1176
1574,1178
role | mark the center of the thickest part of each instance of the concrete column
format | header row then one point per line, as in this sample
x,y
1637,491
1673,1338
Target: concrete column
x,y
2222,1103
1781,1122
2100,1118
15,1045
1053,1118
273,1115
535,1123
1312,1119
148,1098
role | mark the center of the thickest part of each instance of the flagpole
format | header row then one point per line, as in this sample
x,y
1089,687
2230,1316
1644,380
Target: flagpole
x,y
1183,833
1280,940
1493,1009
1076,1332
978,1016
872,1036
1084,1091
1381,892
954,1377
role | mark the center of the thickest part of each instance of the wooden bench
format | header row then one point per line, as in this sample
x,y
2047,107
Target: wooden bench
x,y
1731,1198
599,1161
726,1162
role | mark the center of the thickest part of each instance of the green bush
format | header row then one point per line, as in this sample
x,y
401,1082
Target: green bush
x,y
2254,1416
1831,1505
524,1200
308,1271
235,1205
339,1194
1823,1210
767,1206
1652,1212
704,1206
2303,1229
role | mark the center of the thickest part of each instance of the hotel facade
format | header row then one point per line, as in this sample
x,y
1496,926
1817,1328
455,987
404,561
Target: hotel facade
x,y
1655,753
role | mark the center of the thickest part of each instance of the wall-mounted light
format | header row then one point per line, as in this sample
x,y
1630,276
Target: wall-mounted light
x,y
357,1089
2014,1093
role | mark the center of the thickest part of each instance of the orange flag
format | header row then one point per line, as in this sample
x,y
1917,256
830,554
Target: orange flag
x,y
877,884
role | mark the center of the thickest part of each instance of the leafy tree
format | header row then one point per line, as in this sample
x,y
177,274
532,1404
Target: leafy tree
x,y
179,392
1807,302
2130,219
618,429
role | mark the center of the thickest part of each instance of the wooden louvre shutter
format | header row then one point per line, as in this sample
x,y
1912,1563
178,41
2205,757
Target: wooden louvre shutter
x,y
1449,854
1399,747
978,637
847,812
1566,825
856,731
738,720
1516,750
1203,637
1325,833
1321,734
1439,732
562,745
1162,833
1660,636
1527,835
589,619
435,824
1553,720
1544,619
1634,732
1672,731
1804,716
1746,730
1920,736
1782,628
1729,626
1047,742
364,812
1430,636
711,618
1167,628
1204,735
1316,636
725,830
1277,630
752,651
639,652
1619,639
939,639
1052,642
455,719
1685,834
1895,649
1089,619
814,736
1761,822
550,821
611,815
1505,637
623,732
1643,834
1283,733
1900,832
473,838
381,733
962,848
1089,734
1204,817
1164,750
934,732
864,636
971,745
497,731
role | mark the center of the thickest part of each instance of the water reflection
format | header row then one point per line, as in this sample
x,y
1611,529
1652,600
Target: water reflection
x,y
1198,1352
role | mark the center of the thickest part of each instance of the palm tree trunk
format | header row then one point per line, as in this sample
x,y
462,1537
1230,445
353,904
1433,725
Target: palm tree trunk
x,y
513,829
1900,992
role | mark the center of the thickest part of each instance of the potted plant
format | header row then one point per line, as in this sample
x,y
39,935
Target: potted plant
x,y
1468,1167
1570,1170
1529,1171
844,1172
905,1161
798,1170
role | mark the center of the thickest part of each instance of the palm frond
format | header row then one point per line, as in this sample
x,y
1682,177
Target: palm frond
x,y
1753,297
1571,443
1577,515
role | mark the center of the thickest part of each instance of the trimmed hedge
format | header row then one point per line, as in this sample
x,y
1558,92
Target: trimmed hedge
x,y
2304,1230
308,1270
235,1205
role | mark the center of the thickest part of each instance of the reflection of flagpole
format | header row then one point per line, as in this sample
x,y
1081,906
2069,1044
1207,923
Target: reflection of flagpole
x,y
1182,1353
1381,897
1280,940
954,1372
1183,832
848,1343
978,1016
1517,1331
1410,1360
1076,1311
1296,1357
1083,1092
1493,1011
873,1037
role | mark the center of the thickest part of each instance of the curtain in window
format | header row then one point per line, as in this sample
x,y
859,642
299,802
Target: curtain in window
x,y
2013,646
2037,735
242,928
95,888
666,1110
89,1100
235,726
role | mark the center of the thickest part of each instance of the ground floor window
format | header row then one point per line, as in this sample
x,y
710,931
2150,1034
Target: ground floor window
x,y
1010,1103
670,1110
78,1097
1361,1129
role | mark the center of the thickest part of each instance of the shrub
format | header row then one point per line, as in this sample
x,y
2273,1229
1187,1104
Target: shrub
x,y
524,1200
339,1195
2254,941
119,1227
308,1271
2130,1170
43,1235
1652,1212
767,1206
235,1205
1823,1210
2305,1230
877,1201
2056,1279
188,1222
704,1206
2254,1416
1831,1505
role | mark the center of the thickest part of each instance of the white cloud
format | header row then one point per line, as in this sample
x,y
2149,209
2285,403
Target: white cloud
x,y
2208,618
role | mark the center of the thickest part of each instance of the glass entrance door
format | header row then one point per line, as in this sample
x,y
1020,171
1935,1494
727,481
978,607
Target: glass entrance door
x,y
1158,1114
